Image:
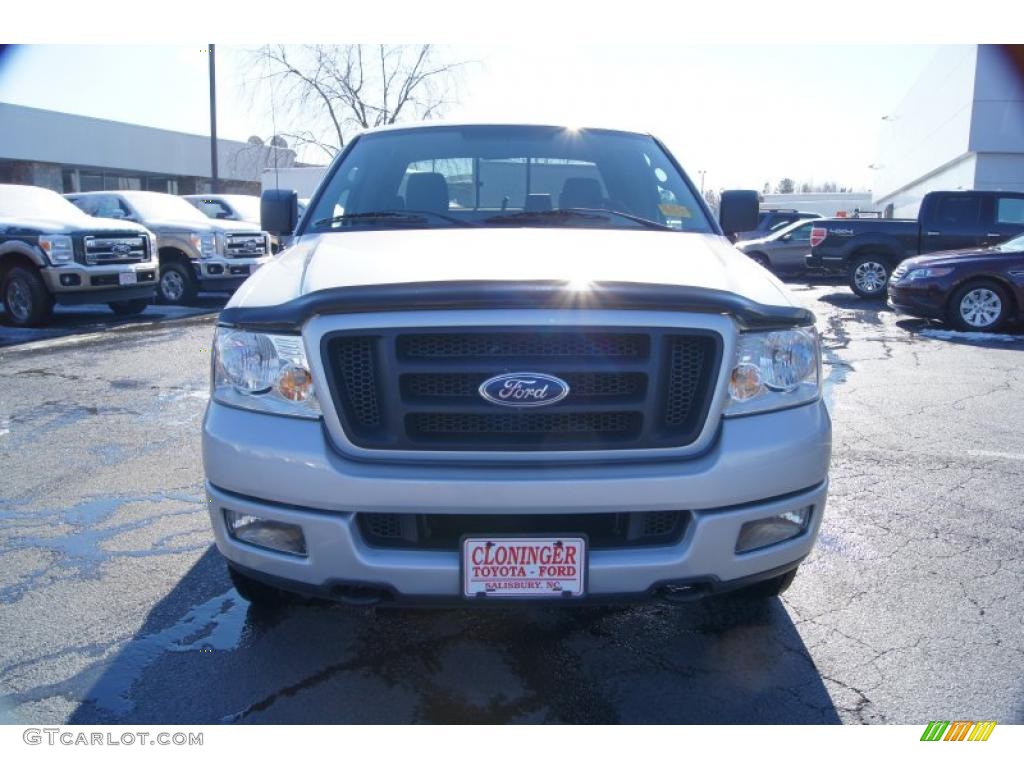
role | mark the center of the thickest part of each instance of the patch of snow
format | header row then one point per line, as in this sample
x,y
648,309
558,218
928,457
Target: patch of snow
x,y
943,335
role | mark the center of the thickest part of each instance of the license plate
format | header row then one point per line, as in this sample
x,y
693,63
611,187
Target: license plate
x,y
524,566
126,278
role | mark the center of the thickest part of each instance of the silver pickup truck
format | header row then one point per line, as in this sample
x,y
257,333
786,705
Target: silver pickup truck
x,y
196,253
507,363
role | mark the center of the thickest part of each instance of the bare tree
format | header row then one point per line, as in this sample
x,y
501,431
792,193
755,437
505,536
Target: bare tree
x,y
325,92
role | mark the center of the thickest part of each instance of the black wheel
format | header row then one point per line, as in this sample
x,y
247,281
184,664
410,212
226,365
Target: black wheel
x,y
256,592
177,283
125,308
981,305
25,297
869,276
761,259
763,590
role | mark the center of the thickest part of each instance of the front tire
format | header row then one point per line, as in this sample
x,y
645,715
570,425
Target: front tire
x,y
765,590
869,276
177,283
256,592
127,308
981,305
25,297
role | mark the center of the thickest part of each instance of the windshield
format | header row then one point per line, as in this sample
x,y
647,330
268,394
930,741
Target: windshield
x,y
502,176
36,203
785,229
157,205
1016,244
247,206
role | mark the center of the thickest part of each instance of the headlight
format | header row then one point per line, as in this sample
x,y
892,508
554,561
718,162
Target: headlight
x,y
204,243
263,372
58,248
773,370
926,273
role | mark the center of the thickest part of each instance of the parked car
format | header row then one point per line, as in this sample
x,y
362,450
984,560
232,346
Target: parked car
x,y
866,251
52,253
773,219
973,290
560,388
785,250
196,253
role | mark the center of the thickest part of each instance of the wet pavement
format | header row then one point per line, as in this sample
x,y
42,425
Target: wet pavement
x,y
115,608
75,321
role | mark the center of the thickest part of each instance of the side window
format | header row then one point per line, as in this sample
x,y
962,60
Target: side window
x,y
959,211
801,234
1010,210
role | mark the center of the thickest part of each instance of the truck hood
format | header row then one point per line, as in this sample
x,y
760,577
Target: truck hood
x,y
949,258
210,225
577,256
59,226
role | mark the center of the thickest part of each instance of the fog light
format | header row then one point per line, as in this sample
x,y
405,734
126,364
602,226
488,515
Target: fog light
x,y
771,530
268,534
70,280
214,269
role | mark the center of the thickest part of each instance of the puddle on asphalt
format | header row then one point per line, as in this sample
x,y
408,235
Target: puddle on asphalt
x,y
80,552
216,625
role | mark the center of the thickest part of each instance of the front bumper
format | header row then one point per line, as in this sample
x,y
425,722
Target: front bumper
x,y
921,299
286,470
826,266
80,284
219,274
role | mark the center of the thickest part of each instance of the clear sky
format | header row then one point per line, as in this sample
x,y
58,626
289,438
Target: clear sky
x,y
744,114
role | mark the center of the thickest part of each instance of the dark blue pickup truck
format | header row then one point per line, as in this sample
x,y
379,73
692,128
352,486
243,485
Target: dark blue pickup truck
x,y
867,250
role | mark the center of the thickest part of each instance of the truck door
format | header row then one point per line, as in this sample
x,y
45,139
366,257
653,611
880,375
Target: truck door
x,y
953,223
1004,217
792,248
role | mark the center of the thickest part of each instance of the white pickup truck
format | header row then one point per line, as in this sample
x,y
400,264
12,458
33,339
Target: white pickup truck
x,y
507,363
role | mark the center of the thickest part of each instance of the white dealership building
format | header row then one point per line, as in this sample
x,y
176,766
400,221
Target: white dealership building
x,y
75,153
961,126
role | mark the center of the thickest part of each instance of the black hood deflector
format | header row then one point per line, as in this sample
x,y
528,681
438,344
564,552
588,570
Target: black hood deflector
x,y
485,294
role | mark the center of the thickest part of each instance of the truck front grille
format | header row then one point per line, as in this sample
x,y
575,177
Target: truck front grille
x,y
245,245
604,530
409,390
114,248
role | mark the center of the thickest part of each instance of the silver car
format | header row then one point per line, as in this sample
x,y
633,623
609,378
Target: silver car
x,y
782,251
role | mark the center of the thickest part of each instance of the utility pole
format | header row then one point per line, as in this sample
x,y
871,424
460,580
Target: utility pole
x,y
215,182
702,182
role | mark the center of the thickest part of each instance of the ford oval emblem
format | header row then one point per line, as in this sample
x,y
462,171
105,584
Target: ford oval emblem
x,y
524,390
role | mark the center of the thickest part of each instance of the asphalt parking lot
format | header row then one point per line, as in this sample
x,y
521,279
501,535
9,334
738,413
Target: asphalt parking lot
x,y
115,607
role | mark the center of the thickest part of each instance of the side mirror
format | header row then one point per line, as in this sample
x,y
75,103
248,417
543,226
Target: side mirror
x,y
738,211
786,238
279,211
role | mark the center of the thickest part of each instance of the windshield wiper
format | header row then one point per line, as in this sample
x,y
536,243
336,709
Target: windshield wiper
x,y
591,214
414,215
